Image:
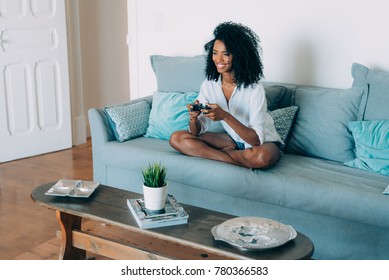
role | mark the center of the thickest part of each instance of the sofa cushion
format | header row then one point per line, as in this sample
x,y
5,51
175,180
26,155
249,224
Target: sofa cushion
x,y
295,182
178,73
321,124
128,121
375,102
274,95
169,113
372,145
284,119
186,74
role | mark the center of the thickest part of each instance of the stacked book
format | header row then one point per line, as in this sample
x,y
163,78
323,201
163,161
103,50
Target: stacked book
x,y
172,214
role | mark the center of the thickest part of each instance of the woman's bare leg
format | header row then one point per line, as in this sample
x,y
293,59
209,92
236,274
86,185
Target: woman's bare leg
x,y
219,146
263,156
210,145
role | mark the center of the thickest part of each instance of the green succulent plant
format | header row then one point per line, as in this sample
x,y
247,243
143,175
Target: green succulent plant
x,y
154,176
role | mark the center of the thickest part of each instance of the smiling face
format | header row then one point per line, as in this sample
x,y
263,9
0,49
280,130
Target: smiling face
x,y
221,57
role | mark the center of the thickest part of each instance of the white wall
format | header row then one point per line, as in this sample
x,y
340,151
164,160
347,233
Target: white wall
x,y
311,42
104,52
98,58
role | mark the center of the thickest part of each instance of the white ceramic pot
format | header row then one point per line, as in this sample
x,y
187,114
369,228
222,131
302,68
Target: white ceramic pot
x,y
154,197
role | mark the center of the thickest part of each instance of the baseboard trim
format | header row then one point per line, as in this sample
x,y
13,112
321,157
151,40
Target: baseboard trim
x,y
79,130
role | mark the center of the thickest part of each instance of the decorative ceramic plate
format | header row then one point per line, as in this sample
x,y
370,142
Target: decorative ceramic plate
x,y
253,233
73,188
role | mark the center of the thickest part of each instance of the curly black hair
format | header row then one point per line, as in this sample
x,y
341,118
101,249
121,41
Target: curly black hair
x,y
244,45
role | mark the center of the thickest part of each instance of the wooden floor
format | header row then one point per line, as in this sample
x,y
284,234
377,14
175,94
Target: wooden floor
x,y
28,231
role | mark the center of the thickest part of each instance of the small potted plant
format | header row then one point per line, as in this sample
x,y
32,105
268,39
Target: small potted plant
x,y
154,186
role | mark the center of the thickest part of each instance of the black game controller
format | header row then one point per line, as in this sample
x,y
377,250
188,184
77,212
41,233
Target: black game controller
x,y
198,107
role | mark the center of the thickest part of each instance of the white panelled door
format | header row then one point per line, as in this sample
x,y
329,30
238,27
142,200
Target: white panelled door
x,y
35,115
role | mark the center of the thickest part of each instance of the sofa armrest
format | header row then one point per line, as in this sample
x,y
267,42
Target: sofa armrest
x,y
102,133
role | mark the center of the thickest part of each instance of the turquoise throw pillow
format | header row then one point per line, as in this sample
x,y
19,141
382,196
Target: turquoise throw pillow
x,y
372,145
130,120
169,113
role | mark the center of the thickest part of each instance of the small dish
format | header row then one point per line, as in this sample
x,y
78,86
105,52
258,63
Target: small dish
x,y
73,188
61,189
253,233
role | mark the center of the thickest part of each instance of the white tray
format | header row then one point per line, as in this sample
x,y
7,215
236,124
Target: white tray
x,y
69,188
253,233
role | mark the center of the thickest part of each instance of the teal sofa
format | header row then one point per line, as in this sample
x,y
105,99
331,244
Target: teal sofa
x,y
323,185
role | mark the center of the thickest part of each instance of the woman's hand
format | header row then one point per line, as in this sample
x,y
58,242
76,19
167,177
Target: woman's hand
x,y
216,113
193,115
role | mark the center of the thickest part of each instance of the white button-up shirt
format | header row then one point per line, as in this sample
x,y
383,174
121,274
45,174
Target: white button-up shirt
x,y
247,105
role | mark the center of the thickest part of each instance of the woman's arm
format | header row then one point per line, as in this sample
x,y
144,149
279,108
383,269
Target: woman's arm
x,y
194,125
248,134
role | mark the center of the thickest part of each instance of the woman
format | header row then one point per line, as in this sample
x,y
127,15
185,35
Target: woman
x,y
236,97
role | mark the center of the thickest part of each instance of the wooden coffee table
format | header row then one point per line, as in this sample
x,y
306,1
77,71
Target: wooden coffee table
x,y
103,224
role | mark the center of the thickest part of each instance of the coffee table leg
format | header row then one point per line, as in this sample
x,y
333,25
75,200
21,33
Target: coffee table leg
x,y
67,224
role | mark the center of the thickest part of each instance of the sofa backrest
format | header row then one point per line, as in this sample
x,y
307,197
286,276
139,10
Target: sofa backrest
x,y
287,99
325,124
321,128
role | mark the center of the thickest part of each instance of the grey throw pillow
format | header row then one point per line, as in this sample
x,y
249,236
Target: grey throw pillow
x,y
274,95
375,102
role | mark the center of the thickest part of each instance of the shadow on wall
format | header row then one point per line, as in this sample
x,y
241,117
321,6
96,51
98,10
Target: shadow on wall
x,y
303,64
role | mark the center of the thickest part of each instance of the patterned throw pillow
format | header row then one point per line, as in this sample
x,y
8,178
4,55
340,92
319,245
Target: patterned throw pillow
x,y
283,120
129,121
